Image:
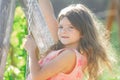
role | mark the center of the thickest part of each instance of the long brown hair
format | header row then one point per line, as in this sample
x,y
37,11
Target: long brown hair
x,y
94,43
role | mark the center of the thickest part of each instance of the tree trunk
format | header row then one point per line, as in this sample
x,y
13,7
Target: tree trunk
x,y
111,15
114,12
7,8
38,25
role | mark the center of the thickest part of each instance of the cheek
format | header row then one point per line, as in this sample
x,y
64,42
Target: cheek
x,y
76,35
58,33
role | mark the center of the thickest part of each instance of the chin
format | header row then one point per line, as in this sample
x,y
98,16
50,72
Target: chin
x,y
66,44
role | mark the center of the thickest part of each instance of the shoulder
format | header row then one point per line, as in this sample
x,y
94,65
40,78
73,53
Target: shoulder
x,y
68,53
67,57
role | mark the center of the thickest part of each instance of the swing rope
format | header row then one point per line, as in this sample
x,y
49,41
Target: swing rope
x,y
29,4
29,15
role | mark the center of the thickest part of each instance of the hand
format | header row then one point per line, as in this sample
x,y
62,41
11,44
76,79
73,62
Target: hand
x,y
30,44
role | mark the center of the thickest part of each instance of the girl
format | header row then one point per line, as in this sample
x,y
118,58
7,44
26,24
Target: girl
x,y
79,48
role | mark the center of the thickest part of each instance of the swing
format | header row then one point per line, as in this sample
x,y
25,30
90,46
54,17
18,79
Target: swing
x,y
38,28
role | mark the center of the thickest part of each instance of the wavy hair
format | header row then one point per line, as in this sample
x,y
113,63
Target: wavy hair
x,y
94,43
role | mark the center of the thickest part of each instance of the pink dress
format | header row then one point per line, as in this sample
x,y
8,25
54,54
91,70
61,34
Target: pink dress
x,y
75,74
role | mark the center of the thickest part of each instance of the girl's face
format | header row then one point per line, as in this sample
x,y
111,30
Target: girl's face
x,y
68,34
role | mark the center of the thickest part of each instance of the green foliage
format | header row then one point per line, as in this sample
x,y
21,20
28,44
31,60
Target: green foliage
x,y
16,60
115,37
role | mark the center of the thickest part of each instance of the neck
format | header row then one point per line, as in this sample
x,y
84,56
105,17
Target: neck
x,y
73,46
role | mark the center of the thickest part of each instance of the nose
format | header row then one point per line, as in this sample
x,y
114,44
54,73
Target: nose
x,y
64,30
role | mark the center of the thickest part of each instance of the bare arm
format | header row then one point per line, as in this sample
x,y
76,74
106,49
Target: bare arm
x,y
48,13
62,63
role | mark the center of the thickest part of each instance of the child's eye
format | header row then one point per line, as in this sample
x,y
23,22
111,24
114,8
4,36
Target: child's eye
x,y
71,27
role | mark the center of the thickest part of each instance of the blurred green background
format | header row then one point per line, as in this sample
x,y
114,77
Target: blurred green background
x,y
16,60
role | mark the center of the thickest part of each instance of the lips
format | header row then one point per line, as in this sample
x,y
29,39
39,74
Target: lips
x,y
65,37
